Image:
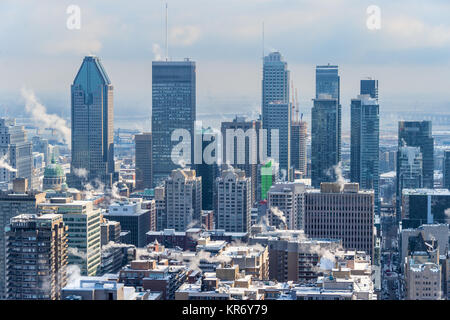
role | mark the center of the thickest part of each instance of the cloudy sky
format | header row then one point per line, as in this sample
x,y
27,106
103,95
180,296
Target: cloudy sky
x,y
410,54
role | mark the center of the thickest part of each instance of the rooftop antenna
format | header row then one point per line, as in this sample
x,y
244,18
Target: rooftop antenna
x,y
167,32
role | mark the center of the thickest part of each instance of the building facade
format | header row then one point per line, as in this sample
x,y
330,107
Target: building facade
x,y
143,154
325,140
233,201
365,145
341,212
183,197
37,257
173,107
92,126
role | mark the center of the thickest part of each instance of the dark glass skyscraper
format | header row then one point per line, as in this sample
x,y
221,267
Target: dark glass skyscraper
x,y
370,87
365,144
143,152
419,134
92,125
329,82
173,107
325,153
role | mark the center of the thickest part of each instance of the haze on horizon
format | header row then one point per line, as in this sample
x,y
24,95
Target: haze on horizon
x,y
409,55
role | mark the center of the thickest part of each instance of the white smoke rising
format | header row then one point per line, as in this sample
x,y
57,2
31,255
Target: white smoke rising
x,y
447,215
73,275
77,253
157,53
80,172
5,165
44,120
279,214
339,176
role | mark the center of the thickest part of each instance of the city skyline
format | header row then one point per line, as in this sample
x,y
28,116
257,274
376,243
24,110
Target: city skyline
x,y
406,60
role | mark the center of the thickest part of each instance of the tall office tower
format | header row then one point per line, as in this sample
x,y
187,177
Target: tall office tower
x,y
37,257
173,107
287,198
299,134
92,125
325,146
13,203
84,231
206,170
447,169
328,82
143,152
409,172
15,150
341,212
183,191
241,147
132,218
233,201
278,117
419,134
365,144
370,87
275,102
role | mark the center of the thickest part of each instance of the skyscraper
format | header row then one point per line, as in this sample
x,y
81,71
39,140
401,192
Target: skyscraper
x,y
409,172
83,234
233,201
419,134
370,87
13,203
447,169
15,150
208,171
92,125
276,109
412,135
278,117
287,198
42,275
365,144
241,148
325,151
143,145
328,82
183,194
299,134
173,107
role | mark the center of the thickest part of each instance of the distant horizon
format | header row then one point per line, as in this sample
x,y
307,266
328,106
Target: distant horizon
x,y
409,54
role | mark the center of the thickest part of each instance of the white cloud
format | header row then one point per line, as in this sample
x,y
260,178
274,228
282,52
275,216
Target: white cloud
x,y
412,32
184,35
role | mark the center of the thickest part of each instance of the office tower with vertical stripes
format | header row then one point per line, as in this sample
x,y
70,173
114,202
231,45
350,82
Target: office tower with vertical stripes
x,y
328,82
365,144
173,107
325,155
276,108
92,126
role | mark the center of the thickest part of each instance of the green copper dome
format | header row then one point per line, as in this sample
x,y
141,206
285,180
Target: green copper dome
x,y
53,170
